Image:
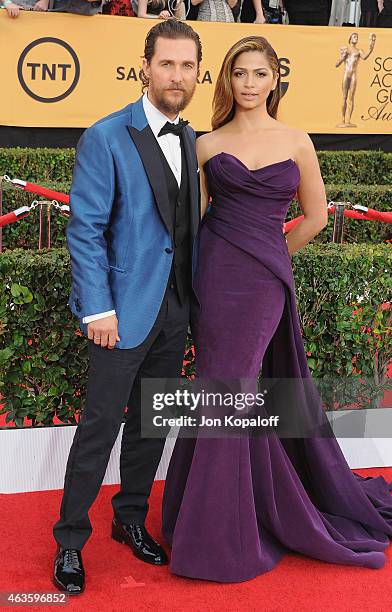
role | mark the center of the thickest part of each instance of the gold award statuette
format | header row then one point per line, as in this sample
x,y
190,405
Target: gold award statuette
x,y
351,56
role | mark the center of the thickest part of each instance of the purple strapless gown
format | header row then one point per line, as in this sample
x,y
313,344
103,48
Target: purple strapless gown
x,y
232,507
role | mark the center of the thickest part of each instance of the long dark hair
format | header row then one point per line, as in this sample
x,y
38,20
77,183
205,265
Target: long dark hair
x,y
223,104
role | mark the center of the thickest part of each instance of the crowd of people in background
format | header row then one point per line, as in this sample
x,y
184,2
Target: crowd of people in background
x,y
373,13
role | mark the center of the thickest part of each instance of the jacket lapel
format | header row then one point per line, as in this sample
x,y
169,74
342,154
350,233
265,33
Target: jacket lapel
x,y
146,145
191,159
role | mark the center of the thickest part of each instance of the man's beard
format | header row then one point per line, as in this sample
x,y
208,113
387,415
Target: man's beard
x,y
169,106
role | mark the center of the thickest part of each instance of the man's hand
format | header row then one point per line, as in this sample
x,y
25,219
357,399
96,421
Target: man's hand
x,y
104,332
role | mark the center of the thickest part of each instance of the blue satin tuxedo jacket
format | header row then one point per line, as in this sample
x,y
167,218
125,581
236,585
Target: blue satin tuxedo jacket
x,y
120,234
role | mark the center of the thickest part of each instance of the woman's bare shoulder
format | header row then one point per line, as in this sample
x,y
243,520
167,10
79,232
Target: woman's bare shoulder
x,y
304,151
303,142
210,138
293,132
299,139
205,139
207,144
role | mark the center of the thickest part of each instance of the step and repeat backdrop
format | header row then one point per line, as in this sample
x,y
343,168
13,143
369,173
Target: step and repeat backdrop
x,y
61,70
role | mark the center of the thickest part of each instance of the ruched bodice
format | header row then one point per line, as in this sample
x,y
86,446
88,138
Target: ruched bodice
x,y
249,208
262,196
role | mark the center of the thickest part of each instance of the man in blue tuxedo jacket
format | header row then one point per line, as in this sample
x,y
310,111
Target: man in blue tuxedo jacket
x,y
134,217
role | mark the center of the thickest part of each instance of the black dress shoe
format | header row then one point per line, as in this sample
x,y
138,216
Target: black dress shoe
x,y
143,546
69,571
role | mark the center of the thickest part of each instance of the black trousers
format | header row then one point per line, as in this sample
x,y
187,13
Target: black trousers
x,y
114,382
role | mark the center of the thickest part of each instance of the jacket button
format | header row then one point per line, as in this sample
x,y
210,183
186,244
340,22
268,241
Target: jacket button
x,y
178,203
168,250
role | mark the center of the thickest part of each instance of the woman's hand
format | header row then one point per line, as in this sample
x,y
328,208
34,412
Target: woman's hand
x,y
259,19
164,15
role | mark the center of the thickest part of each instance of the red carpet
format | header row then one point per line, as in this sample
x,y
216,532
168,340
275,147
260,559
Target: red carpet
x,y
118,581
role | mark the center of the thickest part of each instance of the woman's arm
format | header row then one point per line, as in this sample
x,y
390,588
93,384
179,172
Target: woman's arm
x,y
311,196
196,2
202,156
258,6
231,3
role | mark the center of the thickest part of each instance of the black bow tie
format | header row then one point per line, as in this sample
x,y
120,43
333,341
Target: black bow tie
x,y
173,128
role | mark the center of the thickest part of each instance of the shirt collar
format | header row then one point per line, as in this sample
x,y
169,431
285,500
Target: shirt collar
x,y
155,118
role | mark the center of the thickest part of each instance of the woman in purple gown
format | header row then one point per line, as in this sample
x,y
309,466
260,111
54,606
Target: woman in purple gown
x,y
233,506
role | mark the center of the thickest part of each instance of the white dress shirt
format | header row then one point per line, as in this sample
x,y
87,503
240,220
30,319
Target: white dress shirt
x,y
171,147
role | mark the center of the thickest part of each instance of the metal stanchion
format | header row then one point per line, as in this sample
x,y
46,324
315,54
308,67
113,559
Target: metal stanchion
x,y
338,223
44,224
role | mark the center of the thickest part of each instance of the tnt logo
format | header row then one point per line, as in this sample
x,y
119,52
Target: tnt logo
x,y
48,69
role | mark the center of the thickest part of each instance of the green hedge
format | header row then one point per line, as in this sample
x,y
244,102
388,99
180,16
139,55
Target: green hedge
x,y
337,167
37,165
43,360
356,167
24,233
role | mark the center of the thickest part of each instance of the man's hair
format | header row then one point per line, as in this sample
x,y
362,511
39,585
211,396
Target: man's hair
x,y
172,29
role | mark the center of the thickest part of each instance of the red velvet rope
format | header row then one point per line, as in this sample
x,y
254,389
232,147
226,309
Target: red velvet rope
x,y
9,218
49,194
370,215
